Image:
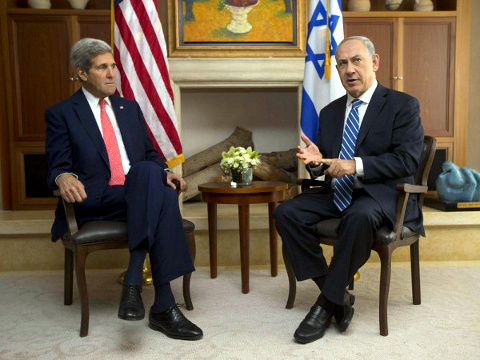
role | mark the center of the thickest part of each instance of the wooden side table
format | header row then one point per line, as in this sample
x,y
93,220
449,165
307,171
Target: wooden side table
x,y
259,192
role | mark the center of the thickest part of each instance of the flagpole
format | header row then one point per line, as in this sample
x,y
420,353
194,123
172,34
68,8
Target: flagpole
x,y
147,278
327,45
112,25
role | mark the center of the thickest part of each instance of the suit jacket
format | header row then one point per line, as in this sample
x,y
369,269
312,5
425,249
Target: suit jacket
x,y
74,144
390,143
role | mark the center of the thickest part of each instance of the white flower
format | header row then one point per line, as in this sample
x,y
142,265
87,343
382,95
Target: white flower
x,y
239,158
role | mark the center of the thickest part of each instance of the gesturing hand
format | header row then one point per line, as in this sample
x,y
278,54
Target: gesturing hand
x,y
310,155
339,168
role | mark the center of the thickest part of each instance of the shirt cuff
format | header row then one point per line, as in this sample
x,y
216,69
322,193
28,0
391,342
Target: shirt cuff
x,y
64,174
358,167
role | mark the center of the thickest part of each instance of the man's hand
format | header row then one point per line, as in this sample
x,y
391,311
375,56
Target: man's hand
x,y
310,155
179,178
339,168
71,189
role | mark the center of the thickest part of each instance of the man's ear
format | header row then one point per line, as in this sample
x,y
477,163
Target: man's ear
x,y
375,62
81,75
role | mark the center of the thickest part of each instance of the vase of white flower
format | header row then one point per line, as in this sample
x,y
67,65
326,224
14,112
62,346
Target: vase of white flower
x,y
244,177
239,163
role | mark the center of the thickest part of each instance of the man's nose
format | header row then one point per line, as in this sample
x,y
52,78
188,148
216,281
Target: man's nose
x,y
350,68
111,72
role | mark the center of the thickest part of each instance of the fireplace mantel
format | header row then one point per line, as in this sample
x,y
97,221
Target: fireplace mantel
x,y
236,72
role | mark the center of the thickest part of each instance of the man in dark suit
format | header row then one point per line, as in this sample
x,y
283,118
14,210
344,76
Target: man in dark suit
x,y
101,159
382,149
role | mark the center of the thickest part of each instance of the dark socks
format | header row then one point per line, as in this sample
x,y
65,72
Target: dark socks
x,y
133,276
164,298
325,303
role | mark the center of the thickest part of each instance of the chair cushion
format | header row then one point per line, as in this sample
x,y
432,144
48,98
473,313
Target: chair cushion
x,y
95,232
188,226
385,236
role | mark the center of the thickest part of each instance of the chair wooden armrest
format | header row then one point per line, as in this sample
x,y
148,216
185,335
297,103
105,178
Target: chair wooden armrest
x,y
69,214
412,189
404,191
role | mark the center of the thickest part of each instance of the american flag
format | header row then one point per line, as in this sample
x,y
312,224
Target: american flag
x,y
140,53
321,83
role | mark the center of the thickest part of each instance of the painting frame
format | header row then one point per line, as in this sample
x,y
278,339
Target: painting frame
x,y
178,48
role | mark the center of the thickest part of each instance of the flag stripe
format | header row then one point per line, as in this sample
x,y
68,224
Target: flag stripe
x,y
139,88
128,92
153,42
140,53
145,78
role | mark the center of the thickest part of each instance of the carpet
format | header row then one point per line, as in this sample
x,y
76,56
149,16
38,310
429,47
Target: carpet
x,y
36,325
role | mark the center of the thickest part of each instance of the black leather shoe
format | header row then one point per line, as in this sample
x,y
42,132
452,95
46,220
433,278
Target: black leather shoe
x,y
344,313
314,325
131,304
174,324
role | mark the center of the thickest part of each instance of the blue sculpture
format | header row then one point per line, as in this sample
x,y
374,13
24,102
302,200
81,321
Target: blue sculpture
x,y
458,185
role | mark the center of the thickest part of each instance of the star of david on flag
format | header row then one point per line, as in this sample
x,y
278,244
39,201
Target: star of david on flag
x,y
321,83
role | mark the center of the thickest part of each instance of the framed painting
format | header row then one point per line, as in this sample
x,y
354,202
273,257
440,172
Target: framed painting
x,y
236,28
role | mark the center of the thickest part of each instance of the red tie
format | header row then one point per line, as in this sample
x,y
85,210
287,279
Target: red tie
x,y
111,143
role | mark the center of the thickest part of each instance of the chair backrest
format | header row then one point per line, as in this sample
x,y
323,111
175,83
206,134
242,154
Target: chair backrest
x,y
425,164
426,160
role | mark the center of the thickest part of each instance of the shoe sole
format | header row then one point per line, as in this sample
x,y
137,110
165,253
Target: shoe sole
x,y
306,341
178,337
131,318
343,326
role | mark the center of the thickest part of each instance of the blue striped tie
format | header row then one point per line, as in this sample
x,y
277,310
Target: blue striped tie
x,y
344,186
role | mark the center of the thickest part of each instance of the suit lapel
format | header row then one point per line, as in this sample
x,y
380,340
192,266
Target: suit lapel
x,y
372,114
87,119
337,132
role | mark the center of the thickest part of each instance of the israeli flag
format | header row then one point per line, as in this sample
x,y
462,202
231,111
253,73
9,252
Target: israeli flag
x,y
321,83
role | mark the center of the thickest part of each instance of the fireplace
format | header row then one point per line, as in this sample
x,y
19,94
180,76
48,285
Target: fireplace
x,y
209,115
213,96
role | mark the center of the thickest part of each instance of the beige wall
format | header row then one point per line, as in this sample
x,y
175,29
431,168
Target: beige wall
x,y
473,149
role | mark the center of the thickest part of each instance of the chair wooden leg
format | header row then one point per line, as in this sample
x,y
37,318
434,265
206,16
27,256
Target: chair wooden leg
x,y
385,254
186,291
80,259
292,289
415,267
186,278
68,278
